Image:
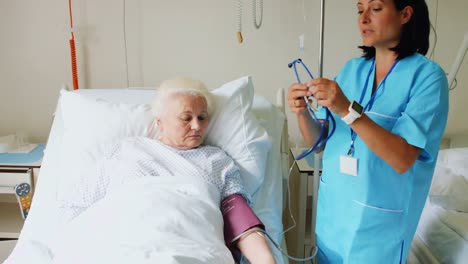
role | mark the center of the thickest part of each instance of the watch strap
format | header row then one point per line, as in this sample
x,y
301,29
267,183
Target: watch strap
x,y
352,114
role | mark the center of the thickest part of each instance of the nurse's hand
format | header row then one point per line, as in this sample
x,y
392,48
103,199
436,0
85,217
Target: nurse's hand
x,y
330,95
296,93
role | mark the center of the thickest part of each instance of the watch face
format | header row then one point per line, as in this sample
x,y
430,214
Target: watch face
x,y
357,107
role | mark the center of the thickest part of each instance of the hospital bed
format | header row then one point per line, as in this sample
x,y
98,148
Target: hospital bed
x,y
442,233
80,120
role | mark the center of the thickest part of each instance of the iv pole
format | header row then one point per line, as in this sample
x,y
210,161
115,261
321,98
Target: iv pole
x,y
317,156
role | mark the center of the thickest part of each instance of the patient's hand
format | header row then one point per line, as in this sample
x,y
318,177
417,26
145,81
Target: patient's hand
x,y
255,248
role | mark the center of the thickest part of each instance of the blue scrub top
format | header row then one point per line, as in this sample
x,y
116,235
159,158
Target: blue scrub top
x,y
372,217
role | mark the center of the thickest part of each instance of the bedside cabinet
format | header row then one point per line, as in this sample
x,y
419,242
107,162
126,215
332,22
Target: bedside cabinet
x,y
300,240
16,168
12,176
20,167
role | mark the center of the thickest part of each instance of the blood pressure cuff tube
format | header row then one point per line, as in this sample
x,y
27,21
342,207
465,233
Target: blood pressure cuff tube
x,y
238,218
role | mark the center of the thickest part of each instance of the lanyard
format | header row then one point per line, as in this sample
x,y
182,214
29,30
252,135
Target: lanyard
x,y
371,100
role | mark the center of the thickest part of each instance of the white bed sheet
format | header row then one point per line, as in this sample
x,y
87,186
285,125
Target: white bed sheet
x,y
43,220
442,233
420,253
441,237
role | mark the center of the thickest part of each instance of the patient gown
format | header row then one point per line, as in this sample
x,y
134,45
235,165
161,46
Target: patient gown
x,y
217,167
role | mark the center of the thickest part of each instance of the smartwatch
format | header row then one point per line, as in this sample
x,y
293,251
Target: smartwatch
x,y
355,112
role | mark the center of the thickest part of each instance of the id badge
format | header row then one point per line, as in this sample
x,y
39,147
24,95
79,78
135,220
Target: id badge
x,y
348,165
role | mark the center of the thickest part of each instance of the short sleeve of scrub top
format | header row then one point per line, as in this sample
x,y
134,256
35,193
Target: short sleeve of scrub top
x,y
425,114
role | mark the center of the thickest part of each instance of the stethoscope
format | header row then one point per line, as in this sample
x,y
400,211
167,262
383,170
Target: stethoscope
x,y
321,140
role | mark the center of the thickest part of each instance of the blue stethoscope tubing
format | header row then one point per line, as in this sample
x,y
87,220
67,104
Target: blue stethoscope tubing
x,y
328,117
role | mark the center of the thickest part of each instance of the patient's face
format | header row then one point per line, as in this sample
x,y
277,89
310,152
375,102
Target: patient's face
x,y
184,122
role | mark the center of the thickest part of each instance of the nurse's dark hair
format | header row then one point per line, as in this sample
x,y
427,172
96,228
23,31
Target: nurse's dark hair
x,y
415,33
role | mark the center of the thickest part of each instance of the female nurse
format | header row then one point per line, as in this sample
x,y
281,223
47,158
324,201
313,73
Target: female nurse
x,y
390,107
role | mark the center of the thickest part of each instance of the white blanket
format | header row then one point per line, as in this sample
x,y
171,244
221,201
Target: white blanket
x,y
163,219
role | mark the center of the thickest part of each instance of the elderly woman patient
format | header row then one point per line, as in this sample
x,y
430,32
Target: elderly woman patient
x,y
182,111
164,195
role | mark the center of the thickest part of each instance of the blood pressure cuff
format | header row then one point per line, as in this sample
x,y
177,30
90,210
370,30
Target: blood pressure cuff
x,y
238,218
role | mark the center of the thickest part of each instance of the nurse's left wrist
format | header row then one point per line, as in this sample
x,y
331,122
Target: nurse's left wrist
x,y
344,110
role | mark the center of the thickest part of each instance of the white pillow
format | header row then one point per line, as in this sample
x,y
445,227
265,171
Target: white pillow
x,y
235,129
455,159
449,189
91,126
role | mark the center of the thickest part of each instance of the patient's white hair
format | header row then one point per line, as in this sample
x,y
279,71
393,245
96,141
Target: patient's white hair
x,y
180,86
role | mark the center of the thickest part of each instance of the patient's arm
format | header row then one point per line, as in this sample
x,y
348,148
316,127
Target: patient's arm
x,y
255,248
242,229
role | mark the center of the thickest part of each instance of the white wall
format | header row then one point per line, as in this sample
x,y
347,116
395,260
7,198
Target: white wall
x,y
171,38
451,26
459,140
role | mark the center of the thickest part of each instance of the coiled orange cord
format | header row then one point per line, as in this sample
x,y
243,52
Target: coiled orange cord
x,y
73,50
73,64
